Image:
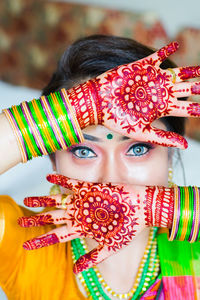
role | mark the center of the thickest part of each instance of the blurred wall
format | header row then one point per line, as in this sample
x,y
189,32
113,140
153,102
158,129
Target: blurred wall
x,y
175,14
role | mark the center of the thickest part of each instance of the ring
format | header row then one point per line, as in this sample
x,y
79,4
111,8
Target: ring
x,y
173,75
63,201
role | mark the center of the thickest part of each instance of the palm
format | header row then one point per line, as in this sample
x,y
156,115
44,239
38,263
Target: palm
x,y
108,213
130,97
136,94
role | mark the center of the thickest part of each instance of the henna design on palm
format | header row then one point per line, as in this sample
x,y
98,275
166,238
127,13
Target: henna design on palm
x,y
130,97
112,214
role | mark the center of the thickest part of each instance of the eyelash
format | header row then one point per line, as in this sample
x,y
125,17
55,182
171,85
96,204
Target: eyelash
x,y
147,146
73,150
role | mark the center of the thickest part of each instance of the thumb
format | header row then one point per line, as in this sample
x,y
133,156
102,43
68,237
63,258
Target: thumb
x,y
92,258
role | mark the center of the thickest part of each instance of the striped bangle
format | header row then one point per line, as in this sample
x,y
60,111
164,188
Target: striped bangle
x,y
44,125
186,220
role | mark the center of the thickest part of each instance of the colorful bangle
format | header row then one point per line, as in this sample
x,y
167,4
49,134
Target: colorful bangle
x,y
44,125
173,231
186,220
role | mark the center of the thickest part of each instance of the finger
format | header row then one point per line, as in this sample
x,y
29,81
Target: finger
x,y
92,258
64,181
157,136
185,109
159,56
185,89
53,217
167,138
184,73
59,201
58,235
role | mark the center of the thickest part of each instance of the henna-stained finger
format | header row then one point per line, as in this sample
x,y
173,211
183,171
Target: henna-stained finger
x,y
92,258
184,73
59,235
63,181
167,138
185,89
52,217
163,53
59,201
185,109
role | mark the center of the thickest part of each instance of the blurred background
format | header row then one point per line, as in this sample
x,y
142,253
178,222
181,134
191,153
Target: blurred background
x,y
33,35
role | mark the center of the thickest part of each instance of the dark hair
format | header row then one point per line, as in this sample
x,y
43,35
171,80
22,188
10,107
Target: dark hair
x,y
91,56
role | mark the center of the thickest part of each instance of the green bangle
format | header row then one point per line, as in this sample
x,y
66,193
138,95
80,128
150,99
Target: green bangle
x,y
191,213
182,207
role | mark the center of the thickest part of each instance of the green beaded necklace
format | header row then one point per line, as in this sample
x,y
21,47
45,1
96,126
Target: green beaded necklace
x,y
91,278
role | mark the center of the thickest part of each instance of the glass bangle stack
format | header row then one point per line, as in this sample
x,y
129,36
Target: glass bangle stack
x,y
44,125
186,219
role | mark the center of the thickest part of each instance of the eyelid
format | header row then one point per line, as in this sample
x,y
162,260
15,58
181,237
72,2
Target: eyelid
x,y
73,148
147,145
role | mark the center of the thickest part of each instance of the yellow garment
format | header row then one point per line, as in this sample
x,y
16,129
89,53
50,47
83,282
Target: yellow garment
x,y
42,274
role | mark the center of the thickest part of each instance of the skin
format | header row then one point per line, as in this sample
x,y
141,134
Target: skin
x,y
113,161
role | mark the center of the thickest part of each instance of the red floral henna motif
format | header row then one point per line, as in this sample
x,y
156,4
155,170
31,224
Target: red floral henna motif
x,y
130,97
103,212
166,51
111,214
159,206
189,72
35,220
81,98
195,89
39,202
170,135
194,110
86,261
47,240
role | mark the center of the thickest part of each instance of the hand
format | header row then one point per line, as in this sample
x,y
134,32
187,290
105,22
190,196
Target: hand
x,y
128,98
111,214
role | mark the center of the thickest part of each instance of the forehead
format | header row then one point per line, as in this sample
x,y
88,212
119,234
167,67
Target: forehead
x,y
102,132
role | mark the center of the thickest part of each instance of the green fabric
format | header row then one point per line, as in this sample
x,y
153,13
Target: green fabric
x,y
178,258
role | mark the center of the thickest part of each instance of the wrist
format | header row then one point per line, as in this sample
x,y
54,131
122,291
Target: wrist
x,y
84,99
159,206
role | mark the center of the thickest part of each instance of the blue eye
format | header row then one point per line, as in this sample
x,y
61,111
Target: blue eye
x,y
138,150
83,152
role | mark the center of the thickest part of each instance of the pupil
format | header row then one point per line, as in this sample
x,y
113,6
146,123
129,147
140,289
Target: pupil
x,y
138,149
83,152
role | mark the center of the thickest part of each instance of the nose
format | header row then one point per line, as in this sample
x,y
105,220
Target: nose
x,y
110,170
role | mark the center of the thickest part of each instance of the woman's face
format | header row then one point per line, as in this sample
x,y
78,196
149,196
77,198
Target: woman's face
x,y
106,156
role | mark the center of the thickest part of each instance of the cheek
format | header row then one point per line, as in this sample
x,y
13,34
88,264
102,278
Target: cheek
x,y
152,169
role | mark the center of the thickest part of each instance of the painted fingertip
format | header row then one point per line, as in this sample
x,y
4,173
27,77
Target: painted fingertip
x,y
23,222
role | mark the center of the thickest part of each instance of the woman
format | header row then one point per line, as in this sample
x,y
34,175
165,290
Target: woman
x,y
106,156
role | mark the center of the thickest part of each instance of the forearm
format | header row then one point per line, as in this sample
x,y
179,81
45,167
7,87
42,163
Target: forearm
x,y
9,151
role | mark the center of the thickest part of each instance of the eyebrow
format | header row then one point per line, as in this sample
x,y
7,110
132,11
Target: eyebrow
x,y
123,138
91,138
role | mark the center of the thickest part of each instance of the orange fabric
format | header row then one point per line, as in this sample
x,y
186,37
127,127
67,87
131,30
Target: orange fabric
x,y
41,274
